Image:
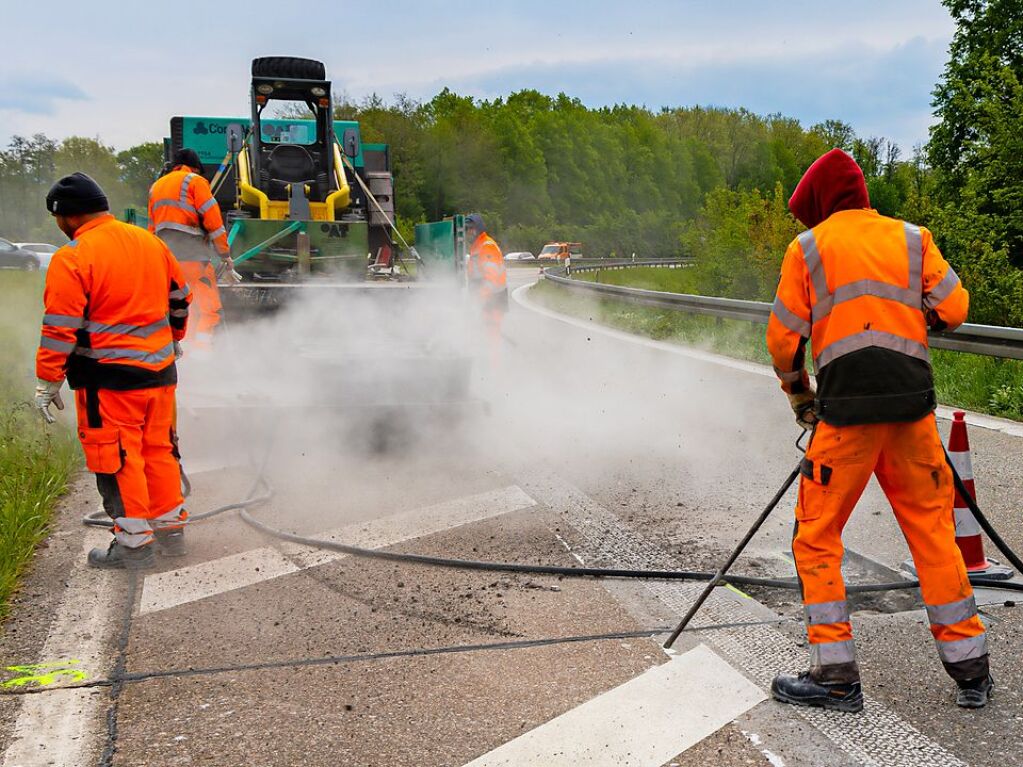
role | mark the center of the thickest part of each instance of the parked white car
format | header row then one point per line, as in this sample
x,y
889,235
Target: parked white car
x,y
519,255
43,250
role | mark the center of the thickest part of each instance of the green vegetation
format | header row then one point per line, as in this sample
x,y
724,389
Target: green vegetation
x,y
647,278
983,384
29,166
35,461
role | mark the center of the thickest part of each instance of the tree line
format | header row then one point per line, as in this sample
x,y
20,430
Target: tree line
x,y
710,183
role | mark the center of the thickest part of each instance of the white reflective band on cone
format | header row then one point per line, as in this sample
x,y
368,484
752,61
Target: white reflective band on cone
x,y
963,465
966,523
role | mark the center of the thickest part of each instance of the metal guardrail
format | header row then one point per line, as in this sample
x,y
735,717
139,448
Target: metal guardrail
x,y
987,340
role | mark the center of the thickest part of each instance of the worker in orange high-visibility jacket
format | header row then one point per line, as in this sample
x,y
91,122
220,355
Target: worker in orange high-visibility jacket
x,y
184,213
116,308
487,276
863,289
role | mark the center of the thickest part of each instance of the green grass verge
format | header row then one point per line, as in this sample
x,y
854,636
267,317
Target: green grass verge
x,y
983,384
35,461
677,280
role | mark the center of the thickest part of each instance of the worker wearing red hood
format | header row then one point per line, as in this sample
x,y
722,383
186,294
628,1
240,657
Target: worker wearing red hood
x,y
863,288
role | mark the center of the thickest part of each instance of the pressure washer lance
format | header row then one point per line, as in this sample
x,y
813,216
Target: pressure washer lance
x,y
719,576
982,520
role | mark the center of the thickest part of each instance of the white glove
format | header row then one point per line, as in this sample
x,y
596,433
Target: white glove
x,y
48,392
178,351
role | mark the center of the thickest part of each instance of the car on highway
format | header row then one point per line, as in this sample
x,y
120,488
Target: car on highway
x,y
519,255
559,251
44,250
15,257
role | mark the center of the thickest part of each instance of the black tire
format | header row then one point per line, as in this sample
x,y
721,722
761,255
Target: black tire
x,y
288,68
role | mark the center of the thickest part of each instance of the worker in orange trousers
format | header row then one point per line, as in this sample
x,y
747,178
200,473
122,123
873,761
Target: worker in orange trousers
x,y
184,213
863,289
116,308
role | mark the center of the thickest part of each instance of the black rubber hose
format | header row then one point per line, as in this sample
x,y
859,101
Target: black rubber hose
x,y
572,572
514,567
982,520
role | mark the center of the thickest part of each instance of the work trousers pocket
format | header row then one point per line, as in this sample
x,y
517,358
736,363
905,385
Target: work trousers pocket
x,y
102,447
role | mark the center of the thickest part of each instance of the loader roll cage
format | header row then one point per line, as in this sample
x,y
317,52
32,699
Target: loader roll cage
x,y
280,157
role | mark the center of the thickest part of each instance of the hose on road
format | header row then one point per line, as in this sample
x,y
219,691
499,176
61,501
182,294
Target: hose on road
x,y
261,492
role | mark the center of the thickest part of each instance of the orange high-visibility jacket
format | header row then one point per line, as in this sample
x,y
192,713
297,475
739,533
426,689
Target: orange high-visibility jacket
x,y
115,301
182,201
863,288
486,266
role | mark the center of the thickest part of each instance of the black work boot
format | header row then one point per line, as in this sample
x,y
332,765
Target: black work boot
x,y
974,693
171,543
118,557
804,690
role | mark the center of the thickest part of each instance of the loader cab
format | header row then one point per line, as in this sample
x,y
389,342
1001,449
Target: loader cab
x,y
297,154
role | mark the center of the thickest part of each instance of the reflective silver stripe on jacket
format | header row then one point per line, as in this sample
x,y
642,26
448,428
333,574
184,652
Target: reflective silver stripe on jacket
x,y
959,650
185,206
787,377
217,232
826,612
179,312
953,612
815,267
139,331
139,355
194,230
206,205
868,338
790,319
942,290
831,653
915,252
877,289
63,321
183,194
180,293
911,296
64,347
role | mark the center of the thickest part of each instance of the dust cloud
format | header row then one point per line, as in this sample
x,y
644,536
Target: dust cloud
x,y
378,398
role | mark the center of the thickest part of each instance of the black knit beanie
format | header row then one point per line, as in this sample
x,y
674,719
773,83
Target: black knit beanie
x,y
76,194
188,157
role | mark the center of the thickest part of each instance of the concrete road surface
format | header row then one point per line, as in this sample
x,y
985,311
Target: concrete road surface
x,y
585,447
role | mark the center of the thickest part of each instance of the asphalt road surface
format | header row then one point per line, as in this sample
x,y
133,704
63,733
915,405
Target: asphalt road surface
x,y
583,446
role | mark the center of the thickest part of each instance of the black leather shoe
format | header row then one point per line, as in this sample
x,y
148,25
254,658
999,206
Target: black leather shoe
x,y
170,543
974,693
118,557
804,690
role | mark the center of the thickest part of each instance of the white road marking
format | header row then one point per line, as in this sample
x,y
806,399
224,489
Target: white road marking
x,y
877,737
63,728
164,590
642,723
1012,428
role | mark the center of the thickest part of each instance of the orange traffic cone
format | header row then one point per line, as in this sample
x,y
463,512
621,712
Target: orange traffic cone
x,y
968,536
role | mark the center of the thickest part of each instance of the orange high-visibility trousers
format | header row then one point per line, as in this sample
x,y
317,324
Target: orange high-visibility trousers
x,y
909,462
206,307
130,444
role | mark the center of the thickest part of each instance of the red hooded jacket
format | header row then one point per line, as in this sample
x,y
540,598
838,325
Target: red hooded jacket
x,y
833,183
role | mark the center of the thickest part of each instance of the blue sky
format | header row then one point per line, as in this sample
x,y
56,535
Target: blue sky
x,y
98,70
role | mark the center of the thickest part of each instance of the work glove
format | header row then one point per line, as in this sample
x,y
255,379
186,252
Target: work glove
x,y
802,406
178,351
48,392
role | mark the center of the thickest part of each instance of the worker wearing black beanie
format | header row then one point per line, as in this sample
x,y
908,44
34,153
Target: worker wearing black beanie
x,y
74,195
